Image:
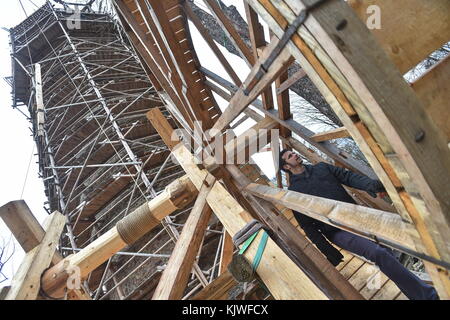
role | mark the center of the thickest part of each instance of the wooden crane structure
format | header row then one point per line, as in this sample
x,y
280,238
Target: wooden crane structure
x,y
401,127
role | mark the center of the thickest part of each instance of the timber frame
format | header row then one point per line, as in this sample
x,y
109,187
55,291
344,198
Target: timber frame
x,y
116,168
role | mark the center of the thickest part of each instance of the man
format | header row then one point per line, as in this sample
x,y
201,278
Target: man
x,y
324,180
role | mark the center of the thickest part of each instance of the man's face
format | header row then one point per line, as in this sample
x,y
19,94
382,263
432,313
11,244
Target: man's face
x,y
292,159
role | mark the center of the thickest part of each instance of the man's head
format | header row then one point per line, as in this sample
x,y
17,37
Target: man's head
x,y
289,160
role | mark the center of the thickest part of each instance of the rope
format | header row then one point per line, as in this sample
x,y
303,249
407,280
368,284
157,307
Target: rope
x,y
261,247
239,267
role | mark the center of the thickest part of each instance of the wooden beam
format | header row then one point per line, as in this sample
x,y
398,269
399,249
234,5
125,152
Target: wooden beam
x,y
249,112
361,196
361,220
158,120
330,135
283,103
29,233
227,252
26,282
175,277
240,100
231,32
432,89
289,82
218,289
177,195
210,41
240,149
145,44
23,225
160,27
256,33
406,34
255,30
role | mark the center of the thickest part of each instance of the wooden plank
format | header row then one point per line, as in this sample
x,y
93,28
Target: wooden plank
x,y
289,82
357,219
23,224
175,277
158,120
152,57
240,100
351,268
209,40
256,33
330,135
387,292
373,287
26,282
347,258
159,23
283,103
401,296
231,32
432,89
218,289
240,149
227,252
359,278
255,30
410,30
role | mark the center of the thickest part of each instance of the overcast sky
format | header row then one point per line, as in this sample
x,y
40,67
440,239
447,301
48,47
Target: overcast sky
x,y
16,142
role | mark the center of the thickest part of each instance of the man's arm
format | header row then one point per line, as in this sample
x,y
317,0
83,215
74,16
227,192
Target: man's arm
x,y
356,180
308,225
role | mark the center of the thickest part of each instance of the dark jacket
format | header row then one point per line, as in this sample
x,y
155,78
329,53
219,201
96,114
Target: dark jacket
x,y
324,180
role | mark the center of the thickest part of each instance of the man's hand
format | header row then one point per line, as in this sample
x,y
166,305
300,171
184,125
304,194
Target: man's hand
x,y
381,194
